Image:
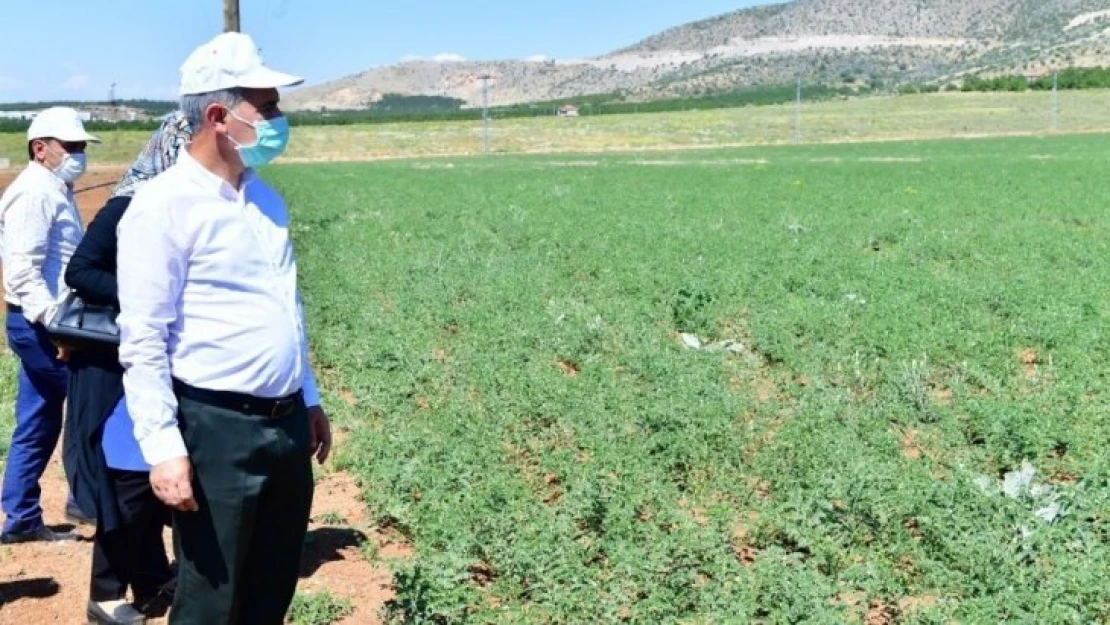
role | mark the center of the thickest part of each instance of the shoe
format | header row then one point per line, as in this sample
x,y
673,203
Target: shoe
x,y
42,534
117,612
74,514
157,605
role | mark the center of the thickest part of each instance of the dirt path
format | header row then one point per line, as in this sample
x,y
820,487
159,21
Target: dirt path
x,y
48,583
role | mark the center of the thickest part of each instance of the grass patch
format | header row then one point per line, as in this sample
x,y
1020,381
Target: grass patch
x,y
9,370
321,608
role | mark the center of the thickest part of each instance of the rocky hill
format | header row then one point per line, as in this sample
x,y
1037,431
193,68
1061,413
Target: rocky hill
x,y
873,42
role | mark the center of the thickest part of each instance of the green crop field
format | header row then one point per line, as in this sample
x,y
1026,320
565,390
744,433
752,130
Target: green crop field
x,y
889,334
778,385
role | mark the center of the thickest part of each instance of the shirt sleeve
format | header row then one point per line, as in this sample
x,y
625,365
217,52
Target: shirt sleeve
x,y
26,237
150,276
311,392
91,270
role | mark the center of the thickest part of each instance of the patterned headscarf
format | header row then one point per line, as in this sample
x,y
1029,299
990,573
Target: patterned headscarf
x,y
158,155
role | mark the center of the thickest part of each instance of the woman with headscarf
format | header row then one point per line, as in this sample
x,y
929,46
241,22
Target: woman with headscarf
x,y
105,468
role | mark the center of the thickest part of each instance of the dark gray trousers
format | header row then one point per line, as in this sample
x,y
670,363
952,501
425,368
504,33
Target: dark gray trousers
x,y
239,555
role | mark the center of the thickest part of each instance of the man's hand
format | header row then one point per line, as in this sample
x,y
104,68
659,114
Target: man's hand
x,y
63,353
172,481
319,430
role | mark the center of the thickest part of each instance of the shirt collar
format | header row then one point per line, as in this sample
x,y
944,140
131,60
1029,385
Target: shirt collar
x,y
40,171
213,183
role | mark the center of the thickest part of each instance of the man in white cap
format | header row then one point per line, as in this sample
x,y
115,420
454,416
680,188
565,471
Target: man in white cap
x,y
213,345
40,228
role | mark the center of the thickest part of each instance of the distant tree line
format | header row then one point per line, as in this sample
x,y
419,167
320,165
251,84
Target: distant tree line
x,y
1071,78
154,108
405,108
394,107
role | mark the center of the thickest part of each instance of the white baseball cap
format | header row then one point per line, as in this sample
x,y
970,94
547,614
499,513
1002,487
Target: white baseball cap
x,y
61,123
227,61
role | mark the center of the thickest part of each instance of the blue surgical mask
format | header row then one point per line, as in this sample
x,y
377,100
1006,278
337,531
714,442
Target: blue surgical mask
x,y
70,167
271,139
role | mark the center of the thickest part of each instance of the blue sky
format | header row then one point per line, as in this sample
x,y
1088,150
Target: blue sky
x,y
75,49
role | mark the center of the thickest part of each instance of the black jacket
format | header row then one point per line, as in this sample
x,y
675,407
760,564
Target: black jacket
x,y
96,377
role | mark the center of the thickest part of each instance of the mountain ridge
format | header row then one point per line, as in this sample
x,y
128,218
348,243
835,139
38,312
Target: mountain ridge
x,y
873,42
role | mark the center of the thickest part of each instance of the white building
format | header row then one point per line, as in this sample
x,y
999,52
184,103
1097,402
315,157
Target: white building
x,y
29,115
18,114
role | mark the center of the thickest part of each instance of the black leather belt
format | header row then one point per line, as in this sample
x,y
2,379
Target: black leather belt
x,y
276,408
15,309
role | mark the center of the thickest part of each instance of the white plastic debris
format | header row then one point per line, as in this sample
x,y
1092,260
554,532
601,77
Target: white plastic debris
x,y
728,346
1021,484
986,484
691,341
1017,483
1039,491
1049,513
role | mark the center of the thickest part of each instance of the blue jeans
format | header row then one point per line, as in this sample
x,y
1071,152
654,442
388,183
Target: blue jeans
x,y
38,422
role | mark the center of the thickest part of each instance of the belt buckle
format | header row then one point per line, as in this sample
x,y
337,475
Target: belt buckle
x,y
282,408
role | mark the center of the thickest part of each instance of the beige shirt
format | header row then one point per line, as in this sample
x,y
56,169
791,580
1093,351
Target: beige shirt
x,y
40,228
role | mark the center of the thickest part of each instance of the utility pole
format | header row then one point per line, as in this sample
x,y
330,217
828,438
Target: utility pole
x,y
485,78
231,16
798,113
1056,101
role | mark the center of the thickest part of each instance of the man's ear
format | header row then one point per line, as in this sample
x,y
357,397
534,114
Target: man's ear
x,y
36,149
216,116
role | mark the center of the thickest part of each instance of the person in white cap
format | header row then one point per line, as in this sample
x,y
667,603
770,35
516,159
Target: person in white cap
x,y
212,340
40,228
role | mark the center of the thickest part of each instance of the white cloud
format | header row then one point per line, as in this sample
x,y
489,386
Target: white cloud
x,y
76,82
538,58
7,83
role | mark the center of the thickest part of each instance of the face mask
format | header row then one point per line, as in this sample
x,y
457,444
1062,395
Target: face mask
x,y
72,166
271,138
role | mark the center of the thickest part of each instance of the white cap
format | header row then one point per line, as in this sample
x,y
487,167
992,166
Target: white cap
x,y
61,123
230,60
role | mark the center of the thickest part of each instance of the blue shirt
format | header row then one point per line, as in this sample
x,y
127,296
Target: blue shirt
x,y
121,450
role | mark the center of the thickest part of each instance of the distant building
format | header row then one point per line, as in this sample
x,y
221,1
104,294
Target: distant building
x,y
29,115
24,115
567,110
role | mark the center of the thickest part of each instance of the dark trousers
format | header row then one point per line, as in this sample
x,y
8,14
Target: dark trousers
x,y
133,554
239,555
40,395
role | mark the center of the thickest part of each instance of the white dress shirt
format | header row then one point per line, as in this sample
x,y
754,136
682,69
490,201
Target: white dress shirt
x,y
208,295
40,228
